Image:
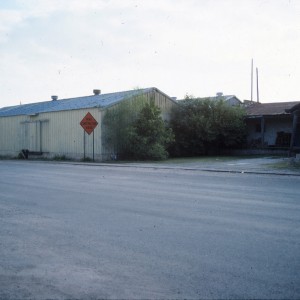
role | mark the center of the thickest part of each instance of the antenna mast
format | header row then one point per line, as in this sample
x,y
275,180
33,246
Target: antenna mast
x,y
252,80
257,91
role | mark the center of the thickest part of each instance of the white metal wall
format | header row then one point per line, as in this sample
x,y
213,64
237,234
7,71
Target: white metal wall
x,y
60,133
53,133
11,135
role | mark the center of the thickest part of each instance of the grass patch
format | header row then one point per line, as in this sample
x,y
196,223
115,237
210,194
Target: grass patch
x,y
4,157
209,159
287,164
183,160
60,158
86,159
191,160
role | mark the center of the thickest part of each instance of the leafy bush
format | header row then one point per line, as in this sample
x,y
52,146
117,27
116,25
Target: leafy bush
x,y
204,126
149,136
135,130
116,122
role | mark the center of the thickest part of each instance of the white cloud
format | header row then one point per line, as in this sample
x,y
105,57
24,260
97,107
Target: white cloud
x,y
199,47
8,20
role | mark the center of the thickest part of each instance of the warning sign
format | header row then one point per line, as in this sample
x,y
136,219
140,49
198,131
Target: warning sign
x,y
88,123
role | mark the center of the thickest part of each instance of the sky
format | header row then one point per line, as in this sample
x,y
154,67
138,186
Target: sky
x,y
182,47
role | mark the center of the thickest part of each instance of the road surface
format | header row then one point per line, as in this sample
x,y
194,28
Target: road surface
x,y
79,231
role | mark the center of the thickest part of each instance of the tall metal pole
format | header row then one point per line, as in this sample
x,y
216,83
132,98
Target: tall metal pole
x,y
257,91
252,80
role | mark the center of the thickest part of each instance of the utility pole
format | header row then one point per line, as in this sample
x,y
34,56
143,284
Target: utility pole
x,y
257,91
252,80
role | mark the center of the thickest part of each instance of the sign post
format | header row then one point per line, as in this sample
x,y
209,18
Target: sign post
x,y
88,123
84,144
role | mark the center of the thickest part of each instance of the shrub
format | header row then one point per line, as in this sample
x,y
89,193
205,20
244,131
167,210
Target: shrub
x,y
203,126
149,136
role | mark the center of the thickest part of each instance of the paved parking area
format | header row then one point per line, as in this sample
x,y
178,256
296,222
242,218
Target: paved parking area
x,y
98,231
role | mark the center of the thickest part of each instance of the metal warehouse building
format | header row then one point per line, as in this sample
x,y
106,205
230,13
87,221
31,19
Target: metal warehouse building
x,y
52,128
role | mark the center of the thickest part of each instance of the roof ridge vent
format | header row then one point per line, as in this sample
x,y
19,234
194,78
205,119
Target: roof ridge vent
x,y
97,92
54,98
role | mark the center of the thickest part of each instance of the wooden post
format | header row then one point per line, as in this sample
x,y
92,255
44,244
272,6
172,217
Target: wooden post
x,y
93,145
83,144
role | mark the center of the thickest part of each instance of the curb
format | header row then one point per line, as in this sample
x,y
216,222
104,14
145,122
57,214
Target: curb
x,y
162,167
184,168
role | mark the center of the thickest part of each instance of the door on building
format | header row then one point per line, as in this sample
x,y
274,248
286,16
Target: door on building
x,y
32,136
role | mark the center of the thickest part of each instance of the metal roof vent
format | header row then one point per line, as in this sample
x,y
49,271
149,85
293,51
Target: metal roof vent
x,y
97,92
54,98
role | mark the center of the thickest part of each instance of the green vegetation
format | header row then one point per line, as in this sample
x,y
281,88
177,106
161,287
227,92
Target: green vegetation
x,y
202,159
5,157
86,159
135,130
204,126
149,136
287,164
116,123
60,157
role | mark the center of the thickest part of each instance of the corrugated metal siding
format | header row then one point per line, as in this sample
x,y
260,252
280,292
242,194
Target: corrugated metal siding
x,y
11,136
56,133
63,134
60,133
165,104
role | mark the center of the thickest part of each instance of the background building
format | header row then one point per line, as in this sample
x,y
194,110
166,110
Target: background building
x,y
273,125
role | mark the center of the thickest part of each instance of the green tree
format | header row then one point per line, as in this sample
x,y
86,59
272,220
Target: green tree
x,y
116,123
134,129
149,136
204,126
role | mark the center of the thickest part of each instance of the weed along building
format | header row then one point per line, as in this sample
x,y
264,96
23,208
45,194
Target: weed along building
x,y
73,127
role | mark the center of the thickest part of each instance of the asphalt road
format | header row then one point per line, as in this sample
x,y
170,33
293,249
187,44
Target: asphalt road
x,y
77,231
